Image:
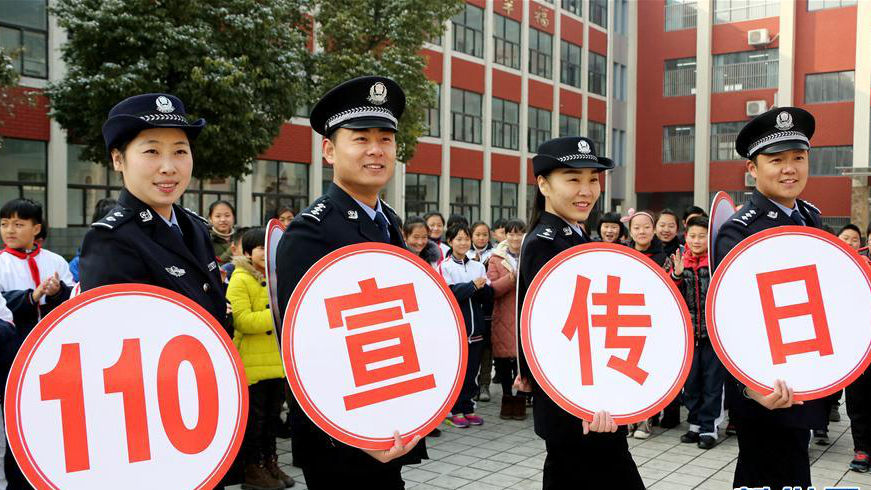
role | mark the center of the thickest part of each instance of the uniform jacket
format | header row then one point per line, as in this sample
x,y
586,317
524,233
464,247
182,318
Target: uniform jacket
x,y
254,333
759,214
503,330
460,276
333,221
133,244
693,285
549,237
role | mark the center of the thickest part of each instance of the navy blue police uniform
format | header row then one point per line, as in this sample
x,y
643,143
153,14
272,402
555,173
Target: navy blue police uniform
x,y
333,221
574,460
772,444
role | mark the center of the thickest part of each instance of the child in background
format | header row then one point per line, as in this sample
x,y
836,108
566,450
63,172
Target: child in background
x,y
255,339
481,246
235,250
703,390
480,252
499,233
416,235
468,281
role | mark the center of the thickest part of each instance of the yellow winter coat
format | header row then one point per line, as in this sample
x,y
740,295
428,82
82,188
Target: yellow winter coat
x,y
254,333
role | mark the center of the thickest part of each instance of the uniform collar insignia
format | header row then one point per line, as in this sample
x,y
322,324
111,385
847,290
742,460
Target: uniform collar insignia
x,y
175,271
110,218
567,231
352,214
145,216
118,214
548,231
772,214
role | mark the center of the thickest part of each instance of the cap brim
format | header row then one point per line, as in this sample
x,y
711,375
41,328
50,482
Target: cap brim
x,y
367,123
127,125
603,163
784,146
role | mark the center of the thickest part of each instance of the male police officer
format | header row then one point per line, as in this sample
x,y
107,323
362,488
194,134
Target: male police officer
x,y
773,430
358,119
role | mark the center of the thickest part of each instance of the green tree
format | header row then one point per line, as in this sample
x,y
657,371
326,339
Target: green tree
x,y
240,64
381,37
8,79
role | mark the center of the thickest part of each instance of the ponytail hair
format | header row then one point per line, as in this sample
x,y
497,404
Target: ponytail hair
x,y
538,206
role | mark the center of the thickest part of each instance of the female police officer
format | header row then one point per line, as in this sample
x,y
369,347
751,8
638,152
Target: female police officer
x,y
579,454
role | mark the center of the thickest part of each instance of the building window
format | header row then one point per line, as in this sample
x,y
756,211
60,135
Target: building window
x,y
539,128
829,4
506,41
599,12
570,64
421,194
466,198
278,184
825,160
24,35
680,14
469,31
618,91
680,77
433,116
531,189
506,124
569,126
200,194
465,116
573,6
747,70
540,53
597,75
723,137
678,144
829,87
621,13
87,183
738,10
618,146
23,170
596,133
503,200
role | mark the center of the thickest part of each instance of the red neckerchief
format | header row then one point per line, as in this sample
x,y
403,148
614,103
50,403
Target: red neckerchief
x,y
690,261
31,261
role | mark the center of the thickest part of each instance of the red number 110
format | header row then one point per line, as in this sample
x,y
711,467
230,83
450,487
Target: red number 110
x,y
64,383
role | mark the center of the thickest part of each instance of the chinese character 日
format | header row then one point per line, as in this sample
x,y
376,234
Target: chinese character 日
x,y
382,354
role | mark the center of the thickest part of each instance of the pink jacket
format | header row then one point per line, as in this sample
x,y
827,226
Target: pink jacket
x,y
503,332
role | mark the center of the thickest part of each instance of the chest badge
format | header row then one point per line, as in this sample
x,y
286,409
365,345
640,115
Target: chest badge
x,y
175,271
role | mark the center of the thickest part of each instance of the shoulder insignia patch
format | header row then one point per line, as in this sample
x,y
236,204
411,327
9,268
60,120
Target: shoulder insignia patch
x,y
547,234
114,218
318,209
195,215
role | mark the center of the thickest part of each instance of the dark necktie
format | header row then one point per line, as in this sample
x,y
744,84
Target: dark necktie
x,y
381,221
174,227
796,217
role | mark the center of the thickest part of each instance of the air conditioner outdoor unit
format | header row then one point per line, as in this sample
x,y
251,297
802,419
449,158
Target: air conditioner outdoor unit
x,y
749,180
756,37
756,107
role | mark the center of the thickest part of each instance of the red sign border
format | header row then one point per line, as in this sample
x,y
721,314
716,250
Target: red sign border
x,y
544,382
733,254
302,397
22,360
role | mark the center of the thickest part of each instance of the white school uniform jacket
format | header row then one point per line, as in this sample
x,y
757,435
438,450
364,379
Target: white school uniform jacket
x,y
16,274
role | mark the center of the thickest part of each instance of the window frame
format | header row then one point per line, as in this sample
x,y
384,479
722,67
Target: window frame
x,y
477,35
568,69
535,135
474,120
298,202
597,82
508,45
500,122
539,58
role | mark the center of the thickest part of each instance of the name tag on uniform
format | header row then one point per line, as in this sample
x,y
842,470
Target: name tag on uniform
x,y
212,266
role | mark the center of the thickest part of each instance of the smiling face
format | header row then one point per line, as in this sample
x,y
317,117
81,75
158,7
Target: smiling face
x,y
460,244
436,227
515,240
222,218
19,233
362,160
156,166
782,176
570,193
610,232
416,240
481,236
258,258
666,227
851,238
641,230
697,240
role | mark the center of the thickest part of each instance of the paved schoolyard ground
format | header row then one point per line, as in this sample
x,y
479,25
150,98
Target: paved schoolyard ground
x,y
508,454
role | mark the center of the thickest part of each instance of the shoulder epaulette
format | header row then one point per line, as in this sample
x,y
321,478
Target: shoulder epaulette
x,y
195,215
388,207
810,205
746,215
547,233
318,209
114,218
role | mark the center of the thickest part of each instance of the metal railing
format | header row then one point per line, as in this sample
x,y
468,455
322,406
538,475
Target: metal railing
x,y
679,82
745,76
678,148
680,16
723,147
746,11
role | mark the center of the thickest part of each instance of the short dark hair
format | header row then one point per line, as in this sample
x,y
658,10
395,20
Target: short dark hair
x,y
430,214
514,225
281,210
850,226
479,223
668,212
253,238
500,223
412,223
239,233
693,210
23,208
218,203
457,218
102,208
698,221
455,230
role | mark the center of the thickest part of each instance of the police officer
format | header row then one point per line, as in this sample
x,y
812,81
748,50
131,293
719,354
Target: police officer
x,y
773,430
358,120
147,238
579,454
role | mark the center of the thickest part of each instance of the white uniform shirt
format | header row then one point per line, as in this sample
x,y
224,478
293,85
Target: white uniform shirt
x,y
15,273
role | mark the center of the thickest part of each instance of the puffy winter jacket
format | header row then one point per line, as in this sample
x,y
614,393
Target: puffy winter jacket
x,y
254,333
460,276
693,285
